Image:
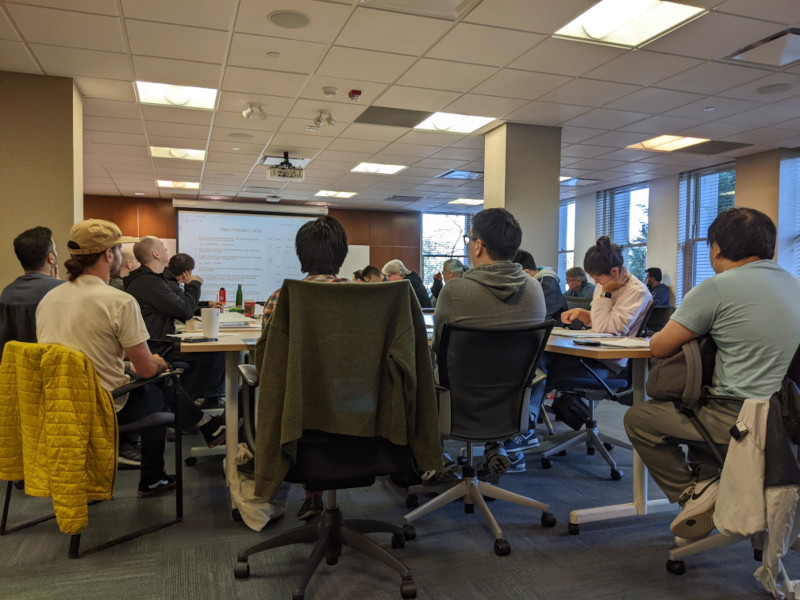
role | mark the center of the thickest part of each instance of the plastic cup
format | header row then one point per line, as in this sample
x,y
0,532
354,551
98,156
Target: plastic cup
x,y
250,308
210,317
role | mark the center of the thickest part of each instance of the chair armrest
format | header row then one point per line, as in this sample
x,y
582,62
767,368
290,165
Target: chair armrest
x,y
250,374
139,383
599,379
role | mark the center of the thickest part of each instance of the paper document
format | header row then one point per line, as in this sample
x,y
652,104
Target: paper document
x,y
627,343
579,333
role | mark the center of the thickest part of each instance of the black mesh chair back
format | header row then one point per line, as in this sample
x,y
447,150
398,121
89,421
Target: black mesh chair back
x,y
488,373
17,322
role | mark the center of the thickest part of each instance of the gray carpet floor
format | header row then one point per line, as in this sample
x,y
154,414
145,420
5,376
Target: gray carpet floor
x,y
452,556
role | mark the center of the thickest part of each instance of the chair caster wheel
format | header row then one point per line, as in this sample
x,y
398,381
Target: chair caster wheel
x,y
562,453
409,532
546,464
676,567
758,555
590,450
616,475
408,589
469,508
241,570
502,548
412,501
574,528
190,461
608,446
236,515
398,541
548,519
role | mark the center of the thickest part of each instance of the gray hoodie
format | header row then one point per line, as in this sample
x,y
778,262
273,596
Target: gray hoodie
x,y
497,295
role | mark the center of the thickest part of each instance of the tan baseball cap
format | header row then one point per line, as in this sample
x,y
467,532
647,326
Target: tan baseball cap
x,y
94,236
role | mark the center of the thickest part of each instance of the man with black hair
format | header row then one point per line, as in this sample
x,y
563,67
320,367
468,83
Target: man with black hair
x,y
372,274
494,293
554,300
36,252
753,355
660,291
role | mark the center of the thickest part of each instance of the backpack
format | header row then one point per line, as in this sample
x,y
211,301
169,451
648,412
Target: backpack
x,y
684,377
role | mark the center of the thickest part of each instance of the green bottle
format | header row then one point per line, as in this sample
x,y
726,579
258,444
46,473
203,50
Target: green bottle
x,y
239,296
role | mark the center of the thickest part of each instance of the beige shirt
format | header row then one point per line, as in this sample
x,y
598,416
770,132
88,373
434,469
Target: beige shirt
x,y
96,319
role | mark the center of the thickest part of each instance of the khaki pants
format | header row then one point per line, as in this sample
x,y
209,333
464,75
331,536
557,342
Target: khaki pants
x,y
649,424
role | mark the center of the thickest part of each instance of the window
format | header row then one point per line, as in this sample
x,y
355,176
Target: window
x,y
566,237
442,238
789,212
703,194
622,216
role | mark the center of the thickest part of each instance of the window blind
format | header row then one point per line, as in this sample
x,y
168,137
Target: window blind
x,y
788,212
566,237
442,238
621,214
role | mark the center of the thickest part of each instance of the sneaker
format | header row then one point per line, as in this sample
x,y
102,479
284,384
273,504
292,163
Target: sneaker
x,y
697,517
213,431
129,457
166,483
449,463
521,442
432,477
310,508
517,462
494,465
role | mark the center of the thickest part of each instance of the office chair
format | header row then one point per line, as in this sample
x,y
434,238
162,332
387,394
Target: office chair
x,y
17,322
360,358
578,302
485,379
588,389
171,378
659,317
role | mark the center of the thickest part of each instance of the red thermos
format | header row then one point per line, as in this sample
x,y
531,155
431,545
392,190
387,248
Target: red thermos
x,y
222,295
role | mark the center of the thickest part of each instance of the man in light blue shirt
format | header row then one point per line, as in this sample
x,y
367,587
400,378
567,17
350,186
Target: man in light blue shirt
x,y
753,355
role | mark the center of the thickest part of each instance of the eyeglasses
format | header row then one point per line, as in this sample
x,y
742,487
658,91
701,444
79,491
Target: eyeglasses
x,y
468,239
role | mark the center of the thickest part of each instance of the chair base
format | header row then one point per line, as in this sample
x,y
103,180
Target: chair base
x,y
472,490
331,531
676,566
593,439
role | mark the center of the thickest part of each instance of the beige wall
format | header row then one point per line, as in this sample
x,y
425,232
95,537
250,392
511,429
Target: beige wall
x,y
758,181
39,185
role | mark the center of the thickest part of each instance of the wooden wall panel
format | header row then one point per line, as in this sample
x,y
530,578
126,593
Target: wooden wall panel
x,y
395,229
122,211
158,218
380,255
356,224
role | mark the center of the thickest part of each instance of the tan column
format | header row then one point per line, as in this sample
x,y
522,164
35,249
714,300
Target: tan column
x,y
758,182
521,167
41,146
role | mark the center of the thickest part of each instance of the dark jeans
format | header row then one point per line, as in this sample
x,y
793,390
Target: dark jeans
x,y
206,377
561,368
142,402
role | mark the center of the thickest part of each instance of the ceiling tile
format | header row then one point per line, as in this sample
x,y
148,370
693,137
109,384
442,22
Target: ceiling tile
x,y
574,135
584,151
642,67
430,138
369,90
604,118
545,113
617,139
236,102
484,106
292,125
749,91
362,131
483,45
412,98
653,100
445,75
356,145
241,138
119,125
293,142
109,108
178,130
714,131
235,120
74,62
586,91
723,107
295,56
106,89
66,28
176,72
342,113
520,84
175,114
107,150
764,115
391,32
274,83
168,141
7,31
15,57
543,16
212,14
780,11
175,41
327,19
107,137
711,78
565,57
364,64
660,125
761,135
100,7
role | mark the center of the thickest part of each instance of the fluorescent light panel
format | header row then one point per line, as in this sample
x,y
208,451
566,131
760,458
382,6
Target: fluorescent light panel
x,y
180,153
377,168
667,143
186,185
453,123
176,95
628,23
467,202
332,194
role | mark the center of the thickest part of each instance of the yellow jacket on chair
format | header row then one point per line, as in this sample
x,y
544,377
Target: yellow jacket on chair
x,y
58,429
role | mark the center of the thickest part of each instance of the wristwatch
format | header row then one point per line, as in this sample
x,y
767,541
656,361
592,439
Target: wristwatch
x,y
607,295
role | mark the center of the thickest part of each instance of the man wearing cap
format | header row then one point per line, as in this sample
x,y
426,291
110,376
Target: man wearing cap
x,y
105,324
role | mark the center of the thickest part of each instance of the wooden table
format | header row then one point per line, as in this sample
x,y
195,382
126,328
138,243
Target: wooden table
x,y
640,505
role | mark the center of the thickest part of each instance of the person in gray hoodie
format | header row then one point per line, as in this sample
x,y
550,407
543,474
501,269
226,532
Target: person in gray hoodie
x,y
494,293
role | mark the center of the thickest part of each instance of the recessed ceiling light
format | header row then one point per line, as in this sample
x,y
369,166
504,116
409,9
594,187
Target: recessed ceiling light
x,y
240,136
181,153
138,193
176,95
628,23
377,168
667,143
563,178
709,109
332,194
289,19
236,148
467,202
453,123
186,185
456,174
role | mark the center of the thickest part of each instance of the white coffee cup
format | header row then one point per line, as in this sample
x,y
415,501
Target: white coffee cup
x,y
210,317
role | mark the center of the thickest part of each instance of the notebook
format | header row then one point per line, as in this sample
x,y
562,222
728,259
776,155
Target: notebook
x,y
579,333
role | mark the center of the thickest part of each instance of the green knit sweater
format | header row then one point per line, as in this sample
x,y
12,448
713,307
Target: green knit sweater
x,y
349,359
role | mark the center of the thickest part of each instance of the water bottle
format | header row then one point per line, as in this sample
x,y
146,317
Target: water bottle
x,y
239,296
222,296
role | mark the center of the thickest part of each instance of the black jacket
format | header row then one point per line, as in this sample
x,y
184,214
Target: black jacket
x,y
419,289
160,302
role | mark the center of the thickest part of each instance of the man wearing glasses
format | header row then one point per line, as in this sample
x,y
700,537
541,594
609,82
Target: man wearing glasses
x,y
494,293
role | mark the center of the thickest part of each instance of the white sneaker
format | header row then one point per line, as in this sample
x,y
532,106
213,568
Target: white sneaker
x,y
696,520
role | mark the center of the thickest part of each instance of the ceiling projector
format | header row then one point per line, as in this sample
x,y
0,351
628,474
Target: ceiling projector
x,y
285,171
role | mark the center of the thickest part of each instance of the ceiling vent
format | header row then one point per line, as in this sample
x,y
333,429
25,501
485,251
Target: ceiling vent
x,y
713,147
448,9
395,117
777,50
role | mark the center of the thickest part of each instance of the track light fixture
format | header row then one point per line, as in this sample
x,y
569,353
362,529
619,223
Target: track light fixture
x,y
254,110
323,115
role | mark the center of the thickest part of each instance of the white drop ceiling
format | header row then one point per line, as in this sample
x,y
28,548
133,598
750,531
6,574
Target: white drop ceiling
x,y
497,58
